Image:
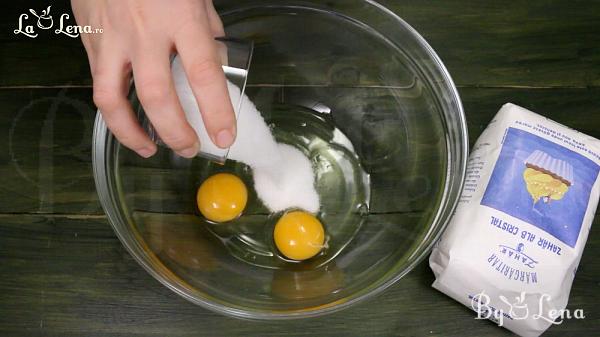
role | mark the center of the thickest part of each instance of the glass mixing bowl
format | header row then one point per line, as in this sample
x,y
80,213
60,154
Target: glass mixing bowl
x,y
361,94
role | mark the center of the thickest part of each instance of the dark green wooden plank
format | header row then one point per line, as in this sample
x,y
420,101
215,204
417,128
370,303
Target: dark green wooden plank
x,y
48,59
577,109
482,43
521,43
526,43
87,284
70,276
45,153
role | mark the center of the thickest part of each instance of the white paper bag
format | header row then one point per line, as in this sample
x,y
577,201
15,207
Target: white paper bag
x,y
514,243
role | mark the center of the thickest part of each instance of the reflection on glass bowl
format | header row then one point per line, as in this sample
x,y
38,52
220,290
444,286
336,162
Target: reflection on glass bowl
x,y
361,94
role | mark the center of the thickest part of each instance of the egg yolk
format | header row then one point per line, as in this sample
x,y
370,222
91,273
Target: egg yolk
x,y
222,197
299,235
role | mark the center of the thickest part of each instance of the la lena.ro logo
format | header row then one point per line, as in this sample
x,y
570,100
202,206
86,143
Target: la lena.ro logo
x,y
45,21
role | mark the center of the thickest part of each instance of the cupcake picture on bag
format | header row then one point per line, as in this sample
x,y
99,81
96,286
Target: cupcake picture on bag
x,y
547,178
542,183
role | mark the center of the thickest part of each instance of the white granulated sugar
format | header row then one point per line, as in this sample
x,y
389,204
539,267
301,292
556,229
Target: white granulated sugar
x,y
254,144
283,175
287,183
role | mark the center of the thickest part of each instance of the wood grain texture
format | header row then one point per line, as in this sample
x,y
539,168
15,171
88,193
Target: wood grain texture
x,y
45,156
45,151
64,273
48,59
524,43
521,43
70,276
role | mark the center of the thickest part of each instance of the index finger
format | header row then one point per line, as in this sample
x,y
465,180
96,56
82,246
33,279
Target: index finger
x,y
201,62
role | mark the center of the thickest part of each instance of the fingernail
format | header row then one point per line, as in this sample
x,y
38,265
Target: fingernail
x,y
224,138
146,152
190,152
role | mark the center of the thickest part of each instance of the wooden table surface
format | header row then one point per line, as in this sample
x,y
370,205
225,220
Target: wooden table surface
x,y
64,273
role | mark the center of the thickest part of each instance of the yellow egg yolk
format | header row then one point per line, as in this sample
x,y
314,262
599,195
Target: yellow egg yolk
x,y
222,197
299,235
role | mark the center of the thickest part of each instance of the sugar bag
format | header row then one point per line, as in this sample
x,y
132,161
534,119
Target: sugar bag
x,y
512,248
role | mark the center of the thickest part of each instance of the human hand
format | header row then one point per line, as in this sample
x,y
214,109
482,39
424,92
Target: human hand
x,y
139,36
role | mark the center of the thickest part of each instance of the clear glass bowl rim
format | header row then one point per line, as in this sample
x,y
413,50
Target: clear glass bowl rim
x,y
457,161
